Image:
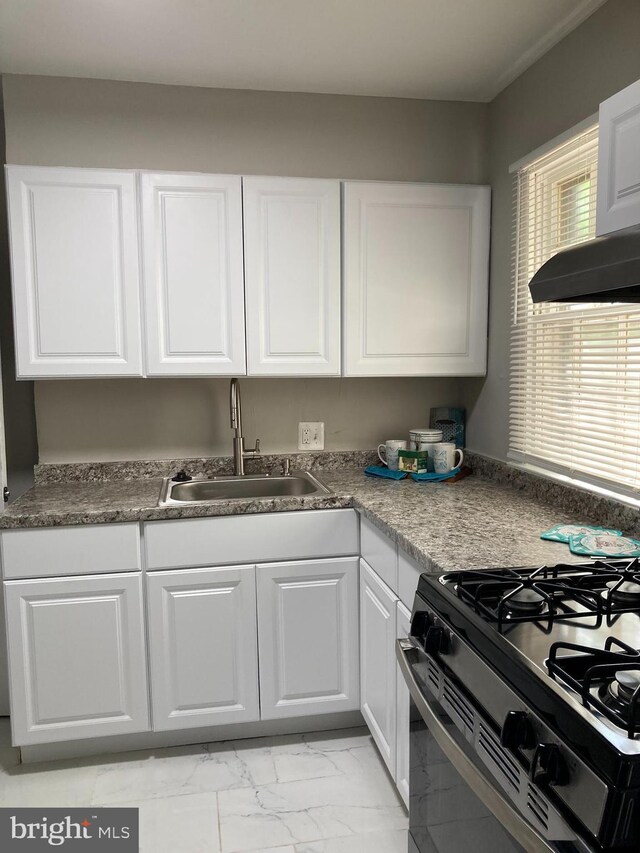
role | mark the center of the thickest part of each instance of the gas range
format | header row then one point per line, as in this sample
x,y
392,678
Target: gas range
x,y
551,655
578,625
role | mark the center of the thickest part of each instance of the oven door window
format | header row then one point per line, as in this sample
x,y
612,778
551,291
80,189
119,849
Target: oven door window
x,y
445,815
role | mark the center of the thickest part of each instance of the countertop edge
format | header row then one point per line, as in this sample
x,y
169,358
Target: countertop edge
x,y
71,518
475,524
224,509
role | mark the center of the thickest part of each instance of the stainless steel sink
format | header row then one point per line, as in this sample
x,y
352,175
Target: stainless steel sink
x,y
295,484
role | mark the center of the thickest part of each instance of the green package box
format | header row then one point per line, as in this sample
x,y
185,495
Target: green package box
x,y
415,461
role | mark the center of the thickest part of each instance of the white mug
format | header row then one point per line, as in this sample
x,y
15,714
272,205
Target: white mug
x,y
391,448
444,457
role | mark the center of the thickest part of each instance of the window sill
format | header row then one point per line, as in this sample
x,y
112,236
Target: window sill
x,y
582,485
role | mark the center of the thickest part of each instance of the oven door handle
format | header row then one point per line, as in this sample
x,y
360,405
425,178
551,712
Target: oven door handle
x,y
493,799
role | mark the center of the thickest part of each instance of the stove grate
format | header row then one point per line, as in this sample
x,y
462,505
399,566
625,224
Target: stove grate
x,y
590,671
596,591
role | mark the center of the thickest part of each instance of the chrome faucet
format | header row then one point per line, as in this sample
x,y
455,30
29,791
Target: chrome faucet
x,y
239,453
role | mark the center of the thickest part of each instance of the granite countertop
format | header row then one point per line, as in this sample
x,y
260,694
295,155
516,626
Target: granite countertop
x,y
474,523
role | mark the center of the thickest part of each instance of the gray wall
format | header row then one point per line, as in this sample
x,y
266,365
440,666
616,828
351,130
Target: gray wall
x,y
85,420
564,87
69,122
19,414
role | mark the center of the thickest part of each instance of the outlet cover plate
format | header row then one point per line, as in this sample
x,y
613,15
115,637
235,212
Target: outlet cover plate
x,y
311,435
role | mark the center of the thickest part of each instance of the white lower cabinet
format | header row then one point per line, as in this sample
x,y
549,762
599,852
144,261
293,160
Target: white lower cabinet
x,y
77,661
403,625
203,647
168,635
378,606
308,637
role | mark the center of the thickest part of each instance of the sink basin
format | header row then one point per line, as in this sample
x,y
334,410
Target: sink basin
x,y
296,484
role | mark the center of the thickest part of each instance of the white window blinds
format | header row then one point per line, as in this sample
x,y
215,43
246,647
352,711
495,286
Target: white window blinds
x,y
575,369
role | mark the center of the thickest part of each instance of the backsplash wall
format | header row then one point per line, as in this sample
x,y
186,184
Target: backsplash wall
x,y
75,122
124,419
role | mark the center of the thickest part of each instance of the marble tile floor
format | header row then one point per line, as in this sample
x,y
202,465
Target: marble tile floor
x,y
316,793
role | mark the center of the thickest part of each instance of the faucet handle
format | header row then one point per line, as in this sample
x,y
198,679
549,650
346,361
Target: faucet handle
x,y
252,451
286,467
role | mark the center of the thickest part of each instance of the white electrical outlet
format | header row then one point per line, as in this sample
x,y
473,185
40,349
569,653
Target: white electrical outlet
x,y
311,435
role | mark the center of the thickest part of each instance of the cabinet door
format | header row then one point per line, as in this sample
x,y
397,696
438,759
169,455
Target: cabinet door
x,y
292,258
308,637
203,647
77,662
403,617
618,203
194,291
378,663
4,664
416,279
75,272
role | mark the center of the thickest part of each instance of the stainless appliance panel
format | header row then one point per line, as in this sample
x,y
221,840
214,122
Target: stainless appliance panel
x,y
465,792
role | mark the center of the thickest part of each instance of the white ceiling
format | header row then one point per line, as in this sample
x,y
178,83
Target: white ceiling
x,y
442,49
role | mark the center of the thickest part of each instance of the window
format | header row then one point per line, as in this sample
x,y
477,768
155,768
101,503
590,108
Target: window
x,y
575,368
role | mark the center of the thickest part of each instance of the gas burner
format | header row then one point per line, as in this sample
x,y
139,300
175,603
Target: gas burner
x,y
618,694
623,592
607,679
628,682
525,601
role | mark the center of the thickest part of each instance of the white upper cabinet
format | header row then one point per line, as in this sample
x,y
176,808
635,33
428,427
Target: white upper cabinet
x,y
292,260
193,275
415,279
214,249
618,204
76,289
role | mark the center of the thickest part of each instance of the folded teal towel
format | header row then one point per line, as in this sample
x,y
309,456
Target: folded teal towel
x,y
564,532
434,478
383,471
604,545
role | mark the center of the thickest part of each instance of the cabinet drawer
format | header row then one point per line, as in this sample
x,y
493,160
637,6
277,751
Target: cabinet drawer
x,y
379,552
408,575
251,538
58,551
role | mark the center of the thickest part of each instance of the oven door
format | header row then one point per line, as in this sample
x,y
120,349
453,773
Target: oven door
x,y
455,803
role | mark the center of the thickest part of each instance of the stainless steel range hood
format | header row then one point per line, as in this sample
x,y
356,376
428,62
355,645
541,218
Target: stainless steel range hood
x,y
606,269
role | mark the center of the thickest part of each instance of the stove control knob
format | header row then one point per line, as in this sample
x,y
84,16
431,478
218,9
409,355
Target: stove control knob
x,y
420,624
517,731
548,766
436,641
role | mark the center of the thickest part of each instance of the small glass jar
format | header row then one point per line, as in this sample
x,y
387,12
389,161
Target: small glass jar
x,y
425,439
